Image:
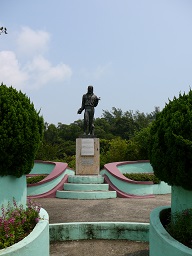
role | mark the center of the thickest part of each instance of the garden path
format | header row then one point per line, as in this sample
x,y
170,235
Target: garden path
x,y
117,210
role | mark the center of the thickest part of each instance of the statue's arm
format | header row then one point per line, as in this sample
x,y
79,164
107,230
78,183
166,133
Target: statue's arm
x,y
82,106
96,101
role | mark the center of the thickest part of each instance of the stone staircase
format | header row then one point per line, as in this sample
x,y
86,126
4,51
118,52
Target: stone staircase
x,y
85,187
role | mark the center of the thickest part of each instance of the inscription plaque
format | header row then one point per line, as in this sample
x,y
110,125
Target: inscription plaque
x,y
87,161
87,147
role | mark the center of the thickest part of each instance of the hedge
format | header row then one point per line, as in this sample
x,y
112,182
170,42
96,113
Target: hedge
x,y
21,130
171,142
142,177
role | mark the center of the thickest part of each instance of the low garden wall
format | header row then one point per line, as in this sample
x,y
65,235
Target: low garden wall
x,y
35,244
161,243
57,173
13,187
129,188
99,230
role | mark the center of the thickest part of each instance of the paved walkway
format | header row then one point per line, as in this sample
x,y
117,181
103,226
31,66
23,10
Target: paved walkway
x,y
116,210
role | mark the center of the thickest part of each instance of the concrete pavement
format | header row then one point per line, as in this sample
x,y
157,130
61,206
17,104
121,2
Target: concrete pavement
x,y
115,210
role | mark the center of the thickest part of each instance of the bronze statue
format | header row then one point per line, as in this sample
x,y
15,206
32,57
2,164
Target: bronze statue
x,y
89,102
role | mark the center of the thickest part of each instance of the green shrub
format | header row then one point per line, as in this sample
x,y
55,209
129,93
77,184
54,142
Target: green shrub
x,y
142,177
141,142
171,142
180,227
21,130
35,179
117,150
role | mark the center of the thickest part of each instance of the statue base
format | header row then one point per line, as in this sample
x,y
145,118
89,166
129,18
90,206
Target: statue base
x,y
87,156
88,136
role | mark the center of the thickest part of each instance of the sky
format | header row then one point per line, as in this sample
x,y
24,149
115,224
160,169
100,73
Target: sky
x,y
137,54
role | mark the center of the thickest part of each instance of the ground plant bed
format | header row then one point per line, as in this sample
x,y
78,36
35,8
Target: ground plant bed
x,y
161,241
180,228
35,178
36,242
142,177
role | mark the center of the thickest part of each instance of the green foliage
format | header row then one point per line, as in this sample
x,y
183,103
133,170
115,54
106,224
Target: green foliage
x,y
125,125
180,227
171,142
103,129
21,129
140,144
70,132
123,136
117,150
51,134
71,160
132,151
47,152
142,177
35,179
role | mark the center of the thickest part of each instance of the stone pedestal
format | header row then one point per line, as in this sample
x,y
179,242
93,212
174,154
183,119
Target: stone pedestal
x,y
87,156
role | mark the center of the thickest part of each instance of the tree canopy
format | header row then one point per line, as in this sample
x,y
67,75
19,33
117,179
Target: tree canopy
x,y
171,142
21,130
123,136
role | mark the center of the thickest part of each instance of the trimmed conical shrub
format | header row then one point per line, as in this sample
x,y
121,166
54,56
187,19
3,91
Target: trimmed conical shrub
x,y
171,142
21,130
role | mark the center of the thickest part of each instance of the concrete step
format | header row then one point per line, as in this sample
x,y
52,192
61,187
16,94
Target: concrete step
x,y
86,179
85,187
86,194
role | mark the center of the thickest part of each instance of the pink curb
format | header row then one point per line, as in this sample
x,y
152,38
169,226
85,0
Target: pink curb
x,y
59,168
114,171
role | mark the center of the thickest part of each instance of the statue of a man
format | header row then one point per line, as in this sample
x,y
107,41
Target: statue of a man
x,y
89,102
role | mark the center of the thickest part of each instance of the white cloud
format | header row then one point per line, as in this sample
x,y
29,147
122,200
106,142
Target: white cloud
x,y
32,42
41,71
10,71
36,71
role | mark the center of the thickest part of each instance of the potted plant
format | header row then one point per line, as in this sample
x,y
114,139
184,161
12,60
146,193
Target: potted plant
x,y
171,159
21,131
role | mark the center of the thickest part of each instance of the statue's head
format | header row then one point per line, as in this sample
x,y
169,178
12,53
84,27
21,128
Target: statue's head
x,y
90,89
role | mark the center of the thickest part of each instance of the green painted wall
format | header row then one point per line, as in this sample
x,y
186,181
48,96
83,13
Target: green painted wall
x,y
130,188
13,187
99,230
35,244
181,199
47,186
135,168
42,168
160,242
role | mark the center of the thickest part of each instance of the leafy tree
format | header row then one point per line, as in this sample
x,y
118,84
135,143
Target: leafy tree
x,y
125,125
171,142
153,114
141,141
117,150
103,129
21,130
51,134
132,151
69,132
141,120
47,152
128,126
71,160
68,147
